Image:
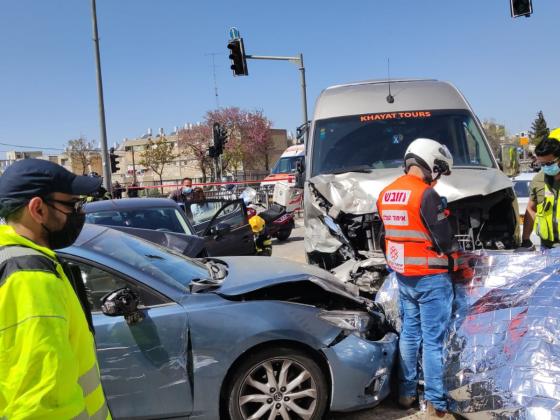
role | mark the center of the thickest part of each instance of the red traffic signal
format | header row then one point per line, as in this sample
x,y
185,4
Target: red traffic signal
x,y
237,57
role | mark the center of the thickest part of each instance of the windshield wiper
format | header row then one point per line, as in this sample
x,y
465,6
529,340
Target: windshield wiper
x,y
358,168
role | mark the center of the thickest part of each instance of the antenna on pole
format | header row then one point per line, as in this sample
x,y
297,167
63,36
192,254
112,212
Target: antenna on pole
x,y
214,75
390,98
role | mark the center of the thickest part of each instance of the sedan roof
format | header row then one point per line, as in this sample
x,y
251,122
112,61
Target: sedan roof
x,y
129,204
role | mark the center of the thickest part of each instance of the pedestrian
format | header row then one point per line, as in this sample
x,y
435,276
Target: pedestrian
x,y
542,209
199,207
117,190
421,249
133,190
48,364
184,194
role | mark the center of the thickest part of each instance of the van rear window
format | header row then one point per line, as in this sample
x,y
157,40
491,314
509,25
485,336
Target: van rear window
x,y
376,141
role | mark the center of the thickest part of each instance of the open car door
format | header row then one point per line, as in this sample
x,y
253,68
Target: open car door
x,y
224,226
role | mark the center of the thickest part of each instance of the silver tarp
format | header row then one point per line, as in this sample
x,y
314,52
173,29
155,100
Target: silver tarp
x,y
502,350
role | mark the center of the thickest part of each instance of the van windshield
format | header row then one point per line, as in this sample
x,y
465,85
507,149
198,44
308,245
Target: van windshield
x,y
377,141
286,165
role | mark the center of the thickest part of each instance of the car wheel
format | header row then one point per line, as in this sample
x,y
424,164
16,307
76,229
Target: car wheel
x,y
278,383
283,234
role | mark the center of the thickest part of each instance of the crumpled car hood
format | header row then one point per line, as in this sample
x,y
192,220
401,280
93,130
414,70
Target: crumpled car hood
x,y
356,193
247,274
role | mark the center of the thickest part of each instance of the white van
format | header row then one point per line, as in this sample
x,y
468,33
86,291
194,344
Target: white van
x,y
359,134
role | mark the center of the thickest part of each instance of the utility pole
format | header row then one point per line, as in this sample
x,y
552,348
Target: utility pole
x,y
104,150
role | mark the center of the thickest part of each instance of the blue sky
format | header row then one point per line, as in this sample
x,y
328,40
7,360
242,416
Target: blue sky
x,y
157,72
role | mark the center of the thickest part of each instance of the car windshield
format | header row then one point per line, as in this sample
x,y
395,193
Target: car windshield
x,y
166,219
521,188
378,141
165,265
286,165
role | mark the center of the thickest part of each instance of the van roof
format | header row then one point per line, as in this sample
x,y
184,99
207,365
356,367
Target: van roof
x,y
370,97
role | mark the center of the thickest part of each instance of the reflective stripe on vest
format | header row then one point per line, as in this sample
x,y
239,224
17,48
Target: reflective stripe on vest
x,y
16,258
416,234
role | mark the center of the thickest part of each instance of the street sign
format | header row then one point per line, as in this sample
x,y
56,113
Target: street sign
x,y
234,33
523,141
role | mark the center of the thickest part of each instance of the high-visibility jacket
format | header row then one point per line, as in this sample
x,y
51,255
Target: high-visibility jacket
x,y
408,245
48,364
548,216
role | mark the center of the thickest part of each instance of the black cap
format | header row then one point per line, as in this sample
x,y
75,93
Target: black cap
x,y
30,178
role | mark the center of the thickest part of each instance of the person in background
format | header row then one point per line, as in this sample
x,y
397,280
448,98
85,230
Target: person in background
x,y
48,363
117,190
184,194
542,209
133,190
199,206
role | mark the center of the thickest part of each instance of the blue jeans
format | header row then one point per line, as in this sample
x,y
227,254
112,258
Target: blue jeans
x,y
426,307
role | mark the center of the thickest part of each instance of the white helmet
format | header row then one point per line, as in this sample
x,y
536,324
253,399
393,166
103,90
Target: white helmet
x,y
432,157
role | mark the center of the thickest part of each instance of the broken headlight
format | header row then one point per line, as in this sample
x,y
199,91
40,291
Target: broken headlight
x,y
357,322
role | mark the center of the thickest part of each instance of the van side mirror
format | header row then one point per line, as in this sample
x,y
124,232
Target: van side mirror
x,y
122,302
300,174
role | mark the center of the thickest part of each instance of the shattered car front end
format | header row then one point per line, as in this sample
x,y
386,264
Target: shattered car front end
x,y
302,306
343,229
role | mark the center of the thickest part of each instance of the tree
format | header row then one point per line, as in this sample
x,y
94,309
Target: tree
x,y
157,155
195,141
79,151
496,134
539,129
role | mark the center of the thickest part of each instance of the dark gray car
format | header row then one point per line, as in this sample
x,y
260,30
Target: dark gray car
x,y
223,225
247,337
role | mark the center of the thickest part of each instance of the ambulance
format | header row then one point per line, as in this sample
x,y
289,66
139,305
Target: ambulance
x,y
285,169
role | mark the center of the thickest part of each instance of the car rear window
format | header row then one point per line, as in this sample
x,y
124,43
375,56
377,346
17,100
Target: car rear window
x,y
165,219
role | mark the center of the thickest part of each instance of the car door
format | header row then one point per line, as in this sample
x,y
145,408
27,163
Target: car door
x,y
144,367
209,218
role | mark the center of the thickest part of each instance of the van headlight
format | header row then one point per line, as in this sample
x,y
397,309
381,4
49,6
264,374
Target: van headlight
x,y
355,321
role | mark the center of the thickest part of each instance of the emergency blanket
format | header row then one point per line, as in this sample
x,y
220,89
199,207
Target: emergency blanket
x,y
502,348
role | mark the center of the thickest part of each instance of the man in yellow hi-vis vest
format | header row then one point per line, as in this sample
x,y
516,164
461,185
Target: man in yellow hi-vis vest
x,y
48,364
543,209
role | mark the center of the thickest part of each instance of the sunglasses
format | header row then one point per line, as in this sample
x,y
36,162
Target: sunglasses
x,y
76,205
550,163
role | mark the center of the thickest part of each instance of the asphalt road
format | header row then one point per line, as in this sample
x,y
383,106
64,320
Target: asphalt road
x,y
293,249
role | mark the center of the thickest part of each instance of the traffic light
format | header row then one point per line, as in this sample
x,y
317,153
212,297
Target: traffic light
x,y
521,8
220,138
237,57
113,158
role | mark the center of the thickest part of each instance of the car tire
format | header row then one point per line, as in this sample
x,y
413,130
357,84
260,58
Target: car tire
x,y
283,234
268,381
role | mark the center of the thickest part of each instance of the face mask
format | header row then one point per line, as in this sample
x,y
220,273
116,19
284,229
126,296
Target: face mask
x,y
187,190
70,231
551,170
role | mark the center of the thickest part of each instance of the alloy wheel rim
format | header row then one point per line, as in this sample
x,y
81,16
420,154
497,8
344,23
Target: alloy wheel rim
x,y
278,388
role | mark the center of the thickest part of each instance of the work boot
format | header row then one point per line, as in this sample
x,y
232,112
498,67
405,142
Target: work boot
x,y
406,402
433,413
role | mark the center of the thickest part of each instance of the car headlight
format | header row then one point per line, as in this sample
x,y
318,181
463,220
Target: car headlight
x,y
355,321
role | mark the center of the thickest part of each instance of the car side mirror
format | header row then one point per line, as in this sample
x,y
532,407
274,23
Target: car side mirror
x,y
122,302
300,174
221,229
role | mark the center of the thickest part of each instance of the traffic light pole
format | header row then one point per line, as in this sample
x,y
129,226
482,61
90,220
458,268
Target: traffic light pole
x,y
297,60
104,150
